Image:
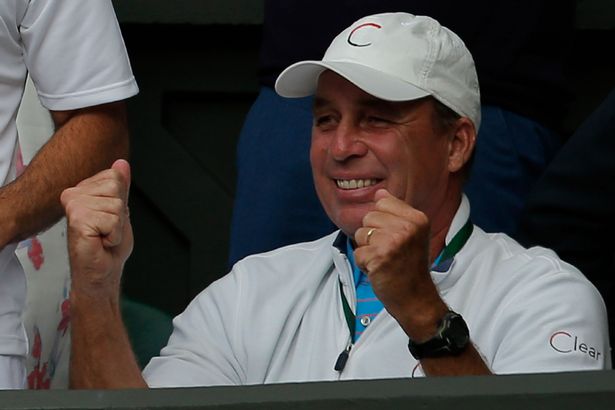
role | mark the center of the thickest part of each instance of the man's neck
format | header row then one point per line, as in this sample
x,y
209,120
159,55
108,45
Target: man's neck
x,y
441,224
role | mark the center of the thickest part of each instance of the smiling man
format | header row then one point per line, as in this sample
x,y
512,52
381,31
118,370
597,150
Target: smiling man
x,y
407,286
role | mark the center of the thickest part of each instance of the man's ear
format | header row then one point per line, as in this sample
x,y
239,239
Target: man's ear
x,y
461,144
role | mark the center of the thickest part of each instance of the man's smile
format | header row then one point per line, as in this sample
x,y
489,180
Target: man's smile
x,y
355,183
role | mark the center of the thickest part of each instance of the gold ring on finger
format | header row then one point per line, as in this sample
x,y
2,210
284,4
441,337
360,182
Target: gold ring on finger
x,y
369,234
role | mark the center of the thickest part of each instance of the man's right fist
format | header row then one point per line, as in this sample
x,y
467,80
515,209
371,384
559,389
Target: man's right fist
x,y
99,232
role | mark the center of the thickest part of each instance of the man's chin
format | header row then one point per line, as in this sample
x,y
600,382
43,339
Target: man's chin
x,y
349,227
349,217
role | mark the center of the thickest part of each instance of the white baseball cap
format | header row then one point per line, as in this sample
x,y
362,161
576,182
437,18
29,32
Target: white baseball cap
x,y
395,57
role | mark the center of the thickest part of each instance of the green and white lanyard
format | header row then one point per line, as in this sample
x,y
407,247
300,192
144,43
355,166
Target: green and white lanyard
x,y
443,260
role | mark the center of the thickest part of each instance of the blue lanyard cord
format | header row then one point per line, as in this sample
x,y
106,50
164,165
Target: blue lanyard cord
x,y
445,257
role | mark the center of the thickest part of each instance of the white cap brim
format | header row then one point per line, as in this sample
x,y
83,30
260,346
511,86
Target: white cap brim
x,y
301,80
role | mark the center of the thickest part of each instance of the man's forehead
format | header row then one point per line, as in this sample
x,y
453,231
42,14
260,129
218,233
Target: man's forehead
x,y
321,99
365,101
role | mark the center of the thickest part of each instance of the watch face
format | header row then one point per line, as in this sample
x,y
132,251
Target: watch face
x,y
456,333
451,339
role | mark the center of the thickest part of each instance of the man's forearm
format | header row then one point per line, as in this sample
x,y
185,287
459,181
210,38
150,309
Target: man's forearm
x,y
86,141
99,242
101,355
467,363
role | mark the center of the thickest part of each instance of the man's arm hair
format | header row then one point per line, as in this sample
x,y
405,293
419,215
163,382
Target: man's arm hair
x,y
85,141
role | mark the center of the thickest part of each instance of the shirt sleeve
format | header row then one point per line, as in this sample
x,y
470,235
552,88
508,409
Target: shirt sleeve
x,y
557,323
75,53
202,350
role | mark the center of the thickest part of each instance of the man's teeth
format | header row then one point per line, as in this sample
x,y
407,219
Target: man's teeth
x,y
354,183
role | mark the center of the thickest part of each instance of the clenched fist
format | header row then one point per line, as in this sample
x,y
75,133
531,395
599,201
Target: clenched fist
x,y
393,250
99,232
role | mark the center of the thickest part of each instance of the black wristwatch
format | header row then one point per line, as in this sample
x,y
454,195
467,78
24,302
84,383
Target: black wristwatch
x,y
451,338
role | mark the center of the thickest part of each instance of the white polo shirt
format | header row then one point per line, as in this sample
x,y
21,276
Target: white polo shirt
x,y
278,317
76,57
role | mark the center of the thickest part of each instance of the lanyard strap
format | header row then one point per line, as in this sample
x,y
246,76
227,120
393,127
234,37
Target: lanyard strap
x,y
350,318
448,253
457,242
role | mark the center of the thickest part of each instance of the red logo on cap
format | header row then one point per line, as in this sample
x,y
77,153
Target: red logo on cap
x,y
352,43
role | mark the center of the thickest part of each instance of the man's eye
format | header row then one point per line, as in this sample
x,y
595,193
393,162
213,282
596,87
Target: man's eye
x,y
323,120
378,121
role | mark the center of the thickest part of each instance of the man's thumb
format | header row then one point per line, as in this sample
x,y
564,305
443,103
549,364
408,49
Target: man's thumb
x,y
381,193
123,167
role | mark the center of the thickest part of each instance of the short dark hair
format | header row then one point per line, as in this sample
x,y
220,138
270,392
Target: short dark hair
x,y
444,120
445,117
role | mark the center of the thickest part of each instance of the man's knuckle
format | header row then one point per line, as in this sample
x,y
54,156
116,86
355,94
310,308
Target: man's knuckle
x,y
421,219
71,207
406,229
66,195
117,221
365,221
116,205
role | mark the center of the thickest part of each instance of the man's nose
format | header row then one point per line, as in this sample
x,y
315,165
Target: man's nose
x,y
346,142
